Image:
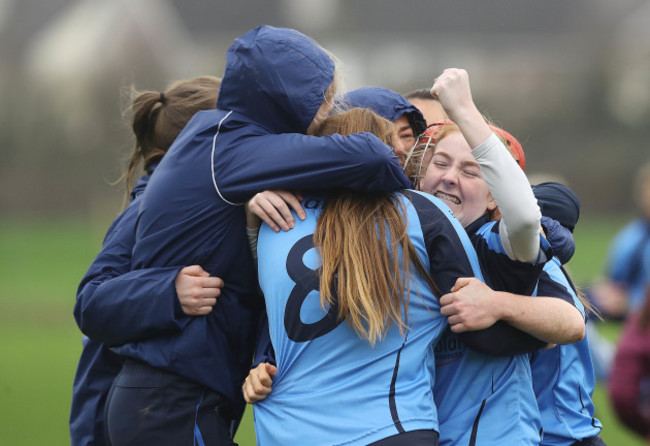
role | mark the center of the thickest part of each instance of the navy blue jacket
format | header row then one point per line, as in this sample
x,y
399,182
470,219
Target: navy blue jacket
x,y
110,291
98,365
387,104
191,211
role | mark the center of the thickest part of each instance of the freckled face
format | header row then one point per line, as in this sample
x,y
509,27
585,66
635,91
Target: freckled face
x,y
453,175
405,136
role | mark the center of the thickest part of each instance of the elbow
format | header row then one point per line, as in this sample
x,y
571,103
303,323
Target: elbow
x,y
570,334
91,327
86,326
576,334
533,219
529,229
385,168
522,239
78,315
581,334
529,224
575,327
527,219
85,309
525,246
83,320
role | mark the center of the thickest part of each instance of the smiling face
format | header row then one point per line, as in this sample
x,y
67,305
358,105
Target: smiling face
x,y
454,176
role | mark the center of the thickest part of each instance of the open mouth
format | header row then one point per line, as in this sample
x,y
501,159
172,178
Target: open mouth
x,y
446,197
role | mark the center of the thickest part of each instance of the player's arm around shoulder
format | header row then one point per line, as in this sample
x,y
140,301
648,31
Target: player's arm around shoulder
x,y
472,305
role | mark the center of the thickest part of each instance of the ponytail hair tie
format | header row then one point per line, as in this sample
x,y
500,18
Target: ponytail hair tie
x,y
162,97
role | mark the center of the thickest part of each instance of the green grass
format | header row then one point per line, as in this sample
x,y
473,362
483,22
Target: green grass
x,y
592,236
41,264
37,369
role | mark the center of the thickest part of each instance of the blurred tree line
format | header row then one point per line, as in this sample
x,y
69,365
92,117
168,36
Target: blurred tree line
x,y
580,109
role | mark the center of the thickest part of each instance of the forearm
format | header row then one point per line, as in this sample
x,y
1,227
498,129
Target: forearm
x,y
471,124
132,307
253,223
550,319
520,214
501,339
356,162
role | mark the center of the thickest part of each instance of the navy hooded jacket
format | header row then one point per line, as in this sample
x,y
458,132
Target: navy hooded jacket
x,y
560,208
98,365
191,211
387,104
111,291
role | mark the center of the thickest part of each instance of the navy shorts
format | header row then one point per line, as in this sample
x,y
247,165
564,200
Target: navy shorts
x,y
591,441
412,438
149,406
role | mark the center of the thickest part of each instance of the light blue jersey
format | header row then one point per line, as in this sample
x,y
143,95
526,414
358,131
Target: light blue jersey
x,y
628,260
563,377
332,387
484,399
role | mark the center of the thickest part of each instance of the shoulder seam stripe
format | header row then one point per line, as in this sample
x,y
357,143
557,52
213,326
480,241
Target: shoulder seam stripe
x,y
214,180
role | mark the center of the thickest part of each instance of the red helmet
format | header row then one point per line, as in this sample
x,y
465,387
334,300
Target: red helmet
x,y
513,145
433,130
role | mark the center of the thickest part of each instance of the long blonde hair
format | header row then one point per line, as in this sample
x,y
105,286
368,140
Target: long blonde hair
x,y
363,241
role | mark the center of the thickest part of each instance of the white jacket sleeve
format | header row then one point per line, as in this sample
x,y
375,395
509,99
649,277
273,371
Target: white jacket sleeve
x,y
520,214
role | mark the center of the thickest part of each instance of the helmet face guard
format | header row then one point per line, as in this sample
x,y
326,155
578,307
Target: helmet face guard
x,y
416,154
414,158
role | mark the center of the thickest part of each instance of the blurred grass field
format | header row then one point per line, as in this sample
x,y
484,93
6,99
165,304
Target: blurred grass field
x,y
41,263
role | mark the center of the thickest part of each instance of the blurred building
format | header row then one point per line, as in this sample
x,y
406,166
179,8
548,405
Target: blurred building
x,y
570,79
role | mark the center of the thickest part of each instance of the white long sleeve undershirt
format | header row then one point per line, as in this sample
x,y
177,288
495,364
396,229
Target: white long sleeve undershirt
x,y
520,214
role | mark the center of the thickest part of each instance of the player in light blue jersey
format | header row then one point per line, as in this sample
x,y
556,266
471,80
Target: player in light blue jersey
x,y
277,84
353,362
623,289
563,377
485,399
497,392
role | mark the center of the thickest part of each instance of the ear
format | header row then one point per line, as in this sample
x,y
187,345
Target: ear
x,y
493,209
492,205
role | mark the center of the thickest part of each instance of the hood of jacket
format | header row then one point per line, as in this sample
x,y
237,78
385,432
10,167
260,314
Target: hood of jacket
x,y
558,202
277,78
387,104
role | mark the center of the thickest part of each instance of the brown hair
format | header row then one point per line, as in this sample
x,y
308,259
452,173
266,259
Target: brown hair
x,y
421,93
584,300
158,118
360,237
